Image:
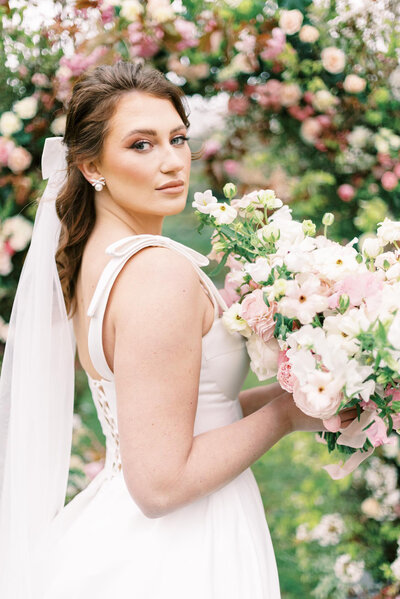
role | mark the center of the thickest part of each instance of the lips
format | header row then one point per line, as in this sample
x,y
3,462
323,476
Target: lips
x,y
171,184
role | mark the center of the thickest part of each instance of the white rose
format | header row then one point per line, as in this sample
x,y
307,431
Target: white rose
x,y
160,10
290,21
359,137
371,247
57,127
353,84
26,108
290,94
388,231
309,34
18,231
263,357
9,123
333,59
131,9
310,130
323,100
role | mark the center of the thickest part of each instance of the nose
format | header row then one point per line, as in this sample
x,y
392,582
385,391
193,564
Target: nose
x,y
172,159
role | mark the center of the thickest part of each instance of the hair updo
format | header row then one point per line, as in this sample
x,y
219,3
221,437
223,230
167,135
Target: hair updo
x,y
94,99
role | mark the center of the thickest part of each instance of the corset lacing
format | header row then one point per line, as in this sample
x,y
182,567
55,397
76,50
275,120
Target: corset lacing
x,y
109,427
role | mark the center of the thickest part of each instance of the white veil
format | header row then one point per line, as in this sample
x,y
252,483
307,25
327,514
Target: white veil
x,y
36,397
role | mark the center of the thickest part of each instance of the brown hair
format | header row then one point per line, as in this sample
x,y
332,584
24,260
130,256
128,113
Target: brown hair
x,y
93,102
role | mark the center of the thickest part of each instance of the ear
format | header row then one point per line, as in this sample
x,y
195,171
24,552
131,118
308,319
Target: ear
x,y
90,170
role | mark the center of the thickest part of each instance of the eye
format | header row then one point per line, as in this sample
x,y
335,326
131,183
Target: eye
x,y
141,145
180,139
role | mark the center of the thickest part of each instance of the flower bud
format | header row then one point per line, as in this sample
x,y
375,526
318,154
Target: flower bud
x,y
327,219
308,227
219,246
270,233
344,303
258,216
279,288
371,247
229,190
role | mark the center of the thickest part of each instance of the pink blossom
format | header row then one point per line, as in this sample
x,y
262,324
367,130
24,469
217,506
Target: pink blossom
x,y
210,148
377,432
6,147
144,45
40,79
238,105
188,32
275,44
384,159
231,167
389,181
363,287
259,316
107,14
396,169
324,120
285,376
346,192
19,160
228,292
308,97
301,114
268,94
230,85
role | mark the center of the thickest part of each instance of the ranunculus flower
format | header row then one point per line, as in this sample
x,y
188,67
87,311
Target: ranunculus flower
x,y
263,357
290,21
346,192
10,123
290,94
353,84
308,34
259,316
333,59
389,181
26,108
320,397
19,160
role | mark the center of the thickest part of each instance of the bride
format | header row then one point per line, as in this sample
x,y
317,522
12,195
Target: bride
x,y
176,512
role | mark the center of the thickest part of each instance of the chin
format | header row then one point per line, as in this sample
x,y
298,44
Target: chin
x,y
174,207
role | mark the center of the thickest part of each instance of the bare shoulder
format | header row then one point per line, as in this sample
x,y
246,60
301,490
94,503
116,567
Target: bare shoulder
x,y
156,279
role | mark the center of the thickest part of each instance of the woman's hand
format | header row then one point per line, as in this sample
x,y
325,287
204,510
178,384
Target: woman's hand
x,y
301,422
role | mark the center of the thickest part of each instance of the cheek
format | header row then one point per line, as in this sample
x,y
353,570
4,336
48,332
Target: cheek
x,y
125,170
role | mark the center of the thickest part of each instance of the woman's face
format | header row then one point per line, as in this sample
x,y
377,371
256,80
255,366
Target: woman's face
x,y
146,158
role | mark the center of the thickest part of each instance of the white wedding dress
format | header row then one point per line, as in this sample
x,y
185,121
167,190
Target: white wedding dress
x,y
218,547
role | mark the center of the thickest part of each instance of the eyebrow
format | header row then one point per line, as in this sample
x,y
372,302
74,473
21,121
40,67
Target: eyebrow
x,y
152,131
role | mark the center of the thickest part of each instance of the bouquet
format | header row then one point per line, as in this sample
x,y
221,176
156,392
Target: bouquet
x,y
322,317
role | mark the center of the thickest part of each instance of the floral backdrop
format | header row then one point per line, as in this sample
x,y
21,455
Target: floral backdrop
x,y
302,97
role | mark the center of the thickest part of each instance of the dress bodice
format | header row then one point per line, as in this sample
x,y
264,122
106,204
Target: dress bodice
x,y
224,362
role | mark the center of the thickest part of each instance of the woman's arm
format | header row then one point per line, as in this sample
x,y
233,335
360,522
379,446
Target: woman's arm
x,y
255,398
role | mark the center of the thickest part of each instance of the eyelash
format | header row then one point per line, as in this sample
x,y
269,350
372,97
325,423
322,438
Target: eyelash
x,y
136,144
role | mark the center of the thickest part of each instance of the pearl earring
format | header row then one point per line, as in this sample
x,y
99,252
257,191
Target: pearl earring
x,y
98,184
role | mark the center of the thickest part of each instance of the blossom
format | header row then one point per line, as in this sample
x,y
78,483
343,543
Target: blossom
x,y
310,130
19,160
321,396
290,94
223,213
290,21
359,137
303,299
160,10
371,247
233,280
233,321
5,259
285,376
308,34
333,59
389,181
394,332
10,123
360,287
204,201
274,45
371,508
353,84
329,530
26,108
131,9
263,356
346,192
57,127
6,147
348,571
323,100
388,231
259,270
18,232
334,261
258,315
377,432
344,328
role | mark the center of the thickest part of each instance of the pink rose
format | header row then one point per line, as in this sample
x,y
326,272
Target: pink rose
x,y
286,378
238,105
396,169
389,181
346,192
258,315
6,147
275,45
